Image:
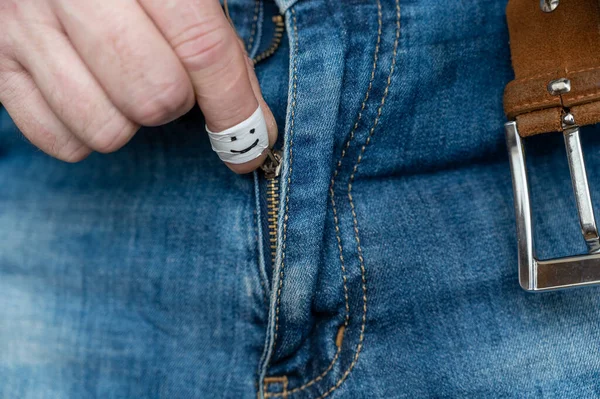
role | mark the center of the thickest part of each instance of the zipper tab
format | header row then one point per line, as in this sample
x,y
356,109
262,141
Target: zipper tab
x,y
272,165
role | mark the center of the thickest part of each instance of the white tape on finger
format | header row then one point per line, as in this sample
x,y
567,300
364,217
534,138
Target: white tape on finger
x,y
242,142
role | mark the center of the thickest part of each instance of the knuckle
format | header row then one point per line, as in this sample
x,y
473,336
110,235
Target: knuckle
x,y
8,65
74,154
64,147
46,140
203,44
115,36
7,88
164,102
112,135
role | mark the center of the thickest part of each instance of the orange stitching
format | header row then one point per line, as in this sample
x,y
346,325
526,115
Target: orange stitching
x,y
254,23
335,217
278,380
289,179
312,382
521,106
579,97
339,164
339,337
350,199
354,216
515,81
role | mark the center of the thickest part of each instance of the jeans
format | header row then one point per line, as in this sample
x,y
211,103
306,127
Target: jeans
x,y
147,273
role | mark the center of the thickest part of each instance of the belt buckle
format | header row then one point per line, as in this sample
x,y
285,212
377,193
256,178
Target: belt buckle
x,y
574,271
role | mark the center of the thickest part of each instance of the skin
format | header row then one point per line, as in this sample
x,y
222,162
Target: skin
x,y
82,76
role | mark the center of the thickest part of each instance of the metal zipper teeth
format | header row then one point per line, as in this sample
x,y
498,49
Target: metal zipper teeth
x,y
272,165
275,42
273,214
272,169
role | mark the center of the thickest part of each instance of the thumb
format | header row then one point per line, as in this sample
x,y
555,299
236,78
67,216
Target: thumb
x,y
269,118
226,88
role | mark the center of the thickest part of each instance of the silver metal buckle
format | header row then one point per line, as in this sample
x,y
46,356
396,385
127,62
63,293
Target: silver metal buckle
x,y
575,271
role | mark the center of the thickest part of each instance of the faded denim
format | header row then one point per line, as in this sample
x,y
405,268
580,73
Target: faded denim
x,y
146,273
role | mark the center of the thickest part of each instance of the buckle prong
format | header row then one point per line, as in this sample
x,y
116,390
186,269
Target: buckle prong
x,y
581,189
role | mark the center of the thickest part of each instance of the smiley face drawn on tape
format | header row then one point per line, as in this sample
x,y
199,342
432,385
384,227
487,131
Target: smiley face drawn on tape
x,y
243,142
245,150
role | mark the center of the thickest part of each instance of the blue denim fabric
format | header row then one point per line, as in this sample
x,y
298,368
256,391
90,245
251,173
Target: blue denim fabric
x,y
134,274
146,274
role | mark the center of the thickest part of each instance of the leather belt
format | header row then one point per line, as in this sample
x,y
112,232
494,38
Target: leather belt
x,y
555,48
563,43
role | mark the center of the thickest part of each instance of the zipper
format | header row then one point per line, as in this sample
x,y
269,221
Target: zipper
x,y
275,41
272,169
272,166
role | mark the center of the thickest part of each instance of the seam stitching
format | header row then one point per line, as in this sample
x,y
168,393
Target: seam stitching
x,y
289,178
269,349
278,380
335,215
516,81
550,100
354,216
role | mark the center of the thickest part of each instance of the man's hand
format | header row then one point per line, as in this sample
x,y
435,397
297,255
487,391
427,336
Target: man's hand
x,y
82,76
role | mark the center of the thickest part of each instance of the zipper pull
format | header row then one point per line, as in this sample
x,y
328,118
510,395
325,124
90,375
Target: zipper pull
x,y
272,165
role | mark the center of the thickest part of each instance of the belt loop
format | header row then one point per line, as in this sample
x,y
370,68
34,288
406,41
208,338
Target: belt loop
x,y
556,59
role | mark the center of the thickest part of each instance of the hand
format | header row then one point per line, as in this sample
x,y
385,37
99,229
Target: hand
x,y
82,76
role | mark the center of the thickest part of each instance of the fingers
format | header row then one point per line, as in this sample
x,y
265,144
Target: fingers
x,y
95,70
32,115
72,92
129,58
207,46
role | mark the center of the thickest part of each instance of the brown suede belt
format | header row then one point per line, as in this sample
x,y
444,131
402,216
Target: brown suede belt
x,y
547,46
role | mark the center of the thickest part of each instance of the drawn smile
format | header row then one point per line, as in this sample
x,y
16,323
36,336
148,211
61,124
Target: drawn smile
x,y
246,149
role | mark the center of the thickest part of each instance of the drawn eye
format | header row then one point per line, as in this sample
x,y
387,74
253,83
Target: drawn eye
x,y
252,131
233,138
